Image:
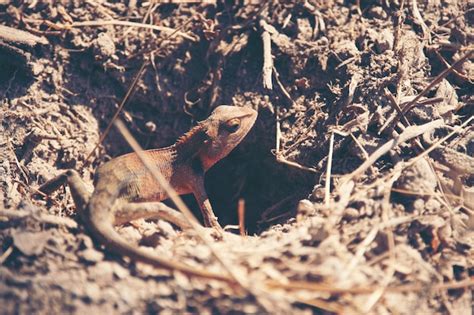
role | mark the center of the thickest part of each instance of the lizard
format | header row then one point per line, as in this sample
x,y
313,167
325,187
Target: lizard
x,y
126,191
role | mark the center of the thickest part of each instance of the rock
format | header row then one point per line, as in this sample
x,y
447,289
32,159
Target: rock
x,y
384,41
91,255
350,213
31,243
419,177
103,47
304,209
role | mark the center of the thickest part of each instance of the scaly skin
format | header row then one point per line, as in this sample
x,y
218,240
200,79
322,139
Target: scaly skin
x,y
125,190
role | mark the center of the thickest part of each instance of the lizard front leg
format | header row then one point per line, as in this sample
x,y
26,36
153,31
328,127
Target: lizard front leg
x,y
210,220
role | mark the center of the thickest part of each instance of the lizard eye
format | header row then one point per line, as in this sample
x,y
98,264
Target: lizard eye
x,y
232,125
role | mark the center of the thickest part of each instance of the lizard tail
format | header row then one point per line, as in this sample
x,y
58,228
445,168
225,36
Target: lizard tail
x,y
108,236
99,218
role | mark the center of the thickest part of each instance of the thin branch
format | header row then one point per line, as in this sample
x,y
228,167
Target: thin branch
x,y
279,156
6,254
267,56
390,272
327,190
241,214
419,19
98,23
41,217
283,160
118,111
412,287
436,80
408,134
364,245
438,143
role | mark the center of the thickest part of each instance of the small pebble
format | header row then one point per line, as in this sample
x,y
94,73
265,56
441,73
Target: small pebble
x,y
350,214
91,255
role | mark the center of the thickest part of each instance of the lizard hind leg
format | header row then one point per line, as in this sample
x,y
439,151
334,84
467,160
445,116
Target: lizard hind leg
x,y
79,191
126,212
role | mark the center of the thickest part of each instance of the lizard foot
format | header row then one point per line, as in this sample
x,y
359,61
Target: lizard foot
x,y
217,233
217,230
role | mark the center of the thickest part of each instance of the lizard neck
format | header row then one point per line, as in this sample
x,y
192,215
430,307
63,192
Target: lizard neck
x,y
191,145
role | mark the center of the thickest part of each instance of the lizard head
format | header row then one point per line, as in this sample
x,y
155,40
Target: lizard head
x,y
225,128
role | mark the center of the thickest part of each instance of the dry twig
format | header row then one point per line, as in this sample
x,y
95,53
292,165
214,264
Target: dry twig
x,y
435,81
438,143
99,23
267,56
412,287
41,217
241,213
279,156
419,19
327,190
408,134
118,111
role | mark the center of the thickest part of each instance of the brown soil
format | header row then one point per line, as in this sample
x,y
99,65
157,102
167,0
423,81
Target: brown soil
x,y
396,238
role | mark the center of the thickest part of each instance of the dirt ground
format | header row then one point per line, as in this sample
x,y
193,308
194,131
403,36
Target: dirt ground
x,y
357,176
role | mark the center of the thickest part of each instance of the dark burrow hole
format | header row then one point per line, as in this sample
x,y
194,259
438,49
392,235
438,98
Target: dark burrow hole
x,y
15,78
270,190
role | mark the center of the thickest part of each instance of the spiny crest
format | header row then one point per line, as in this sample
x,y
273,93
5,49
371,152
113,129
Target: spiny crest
x,y
190,134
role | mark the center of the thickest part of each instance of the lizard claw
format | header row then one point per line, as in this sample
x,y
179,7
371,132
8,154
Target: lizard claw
x,y
210,233
217,230
217,233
